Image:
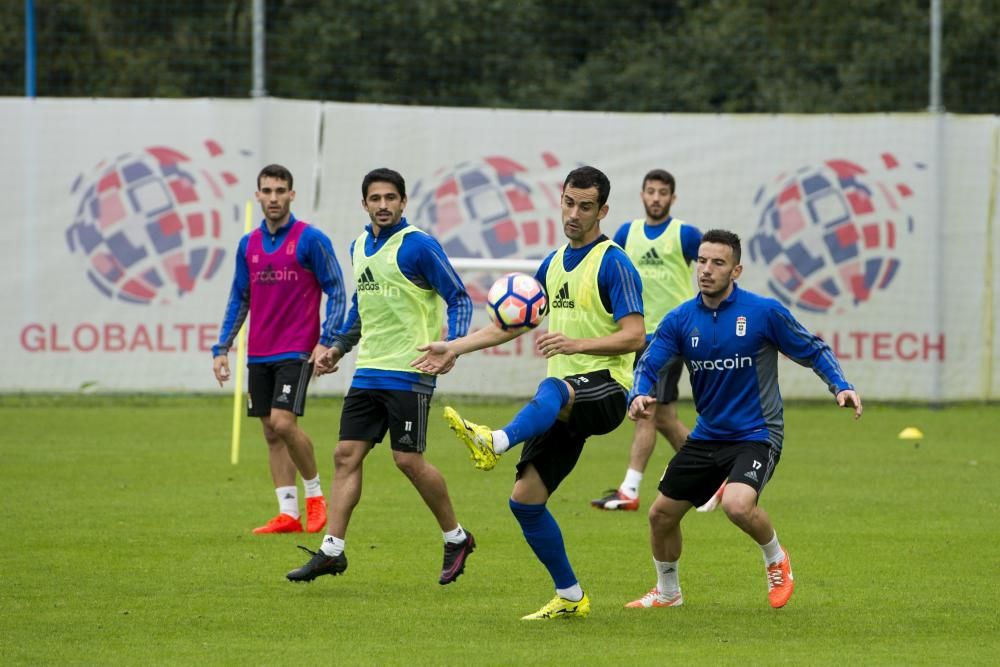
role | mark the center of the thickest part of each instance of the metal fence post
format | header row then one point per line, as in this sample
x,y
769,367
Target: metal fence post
x,y
259,44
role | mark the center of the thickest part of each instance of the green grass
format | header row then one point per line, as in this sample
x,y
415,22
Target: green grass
x,y
126,540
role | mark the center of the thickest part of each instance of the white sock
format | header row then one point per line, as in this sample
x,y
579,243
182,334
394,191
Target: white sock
x,y
630,487
666,578
501,443
288,500
455,536
313,487
773,552
332,546
574,593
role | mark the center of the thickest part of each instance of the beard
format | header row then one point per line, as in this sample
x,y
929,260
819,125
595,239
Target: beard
x,y
664,211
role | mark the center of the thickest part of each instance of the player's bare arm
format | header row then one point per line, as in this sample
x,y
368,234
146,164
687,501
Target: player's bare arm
x,y
439,357
850,399
220,366
630,337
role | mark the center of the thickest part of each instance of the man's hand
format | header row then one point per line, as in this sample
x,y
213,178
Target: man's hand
x,y
325,359
220,366
642,407
850,399
552,343
437,358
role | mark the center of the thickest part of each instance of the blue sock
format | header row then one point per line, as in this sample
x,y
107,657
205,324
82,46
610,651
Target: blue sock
x,y
540,413
545,539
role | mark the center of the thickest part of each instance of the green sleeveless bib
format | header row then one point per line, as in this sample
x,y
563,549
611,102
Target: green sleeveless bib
x,y
396,315
666,276
575,309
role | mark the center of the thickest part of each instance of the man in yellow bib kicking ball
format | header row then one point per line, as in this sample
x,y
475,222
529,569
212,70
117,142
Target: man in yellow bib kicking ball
x,y
595,327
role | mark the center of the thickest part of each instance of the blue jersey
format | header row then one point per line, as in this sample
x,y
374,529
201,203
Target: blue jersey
x,y
424,263
731,354
617,279
315,253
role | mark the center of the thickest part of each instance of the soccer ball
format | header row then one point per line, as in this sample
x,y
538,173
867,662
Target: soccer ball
x,y
516,301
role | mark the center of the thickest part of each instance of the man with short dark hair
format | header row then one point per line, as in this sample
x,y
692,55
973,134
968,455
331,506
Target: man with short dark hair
x,y
283,268
595,326
402,274
730,340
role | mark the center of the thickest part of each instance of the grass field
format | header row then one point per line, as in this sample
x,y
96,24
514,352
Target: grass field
x,y
126,540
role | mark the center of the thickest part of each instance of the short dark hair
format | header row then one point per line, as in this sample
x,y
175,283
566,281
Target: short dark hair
x,y
724,237
590,177
661,175
383,175
276,171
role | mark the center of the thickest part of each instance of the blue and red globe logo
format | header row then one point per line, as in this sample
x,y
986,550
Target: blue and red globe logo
x,y
149,224
492,207
829,234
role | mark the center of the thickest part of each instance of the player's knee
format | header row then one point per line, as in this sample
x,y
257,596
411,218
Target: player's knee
x,y
663,514
408,463
666,424
346,457
270,435
283,423
739,510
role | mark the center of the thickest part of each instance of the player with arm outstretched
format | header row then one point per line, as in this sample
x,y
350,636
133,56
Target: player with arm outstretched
x,y
595,327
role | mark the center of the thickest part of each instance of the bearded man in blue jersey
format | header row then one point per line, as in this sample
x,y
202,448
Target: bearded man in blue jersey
x,y
730,340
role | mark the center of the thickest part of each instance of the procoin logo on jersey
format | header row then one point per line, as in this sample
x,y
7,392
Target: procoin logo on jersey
x,y
741,326
728,364
270,275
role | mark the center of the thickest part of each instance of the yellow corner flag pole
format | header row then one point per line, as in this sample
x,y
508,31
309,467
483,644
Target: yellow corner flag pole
x,y
241,357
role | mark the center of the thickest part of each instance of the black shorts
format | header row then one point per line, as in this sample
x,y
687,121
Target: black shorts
x,y
668,380
277,385
699,468
598,408
369,413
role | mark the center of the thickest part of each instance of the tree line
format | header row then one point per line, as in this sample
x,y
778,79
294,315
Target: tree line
x,y
699,56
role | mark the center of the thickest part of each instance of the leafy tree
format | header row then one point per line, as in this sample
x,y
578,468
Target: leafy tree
x,y
731,56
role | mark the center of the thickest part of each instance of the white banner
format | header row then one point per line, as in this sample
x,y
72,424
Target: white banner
x,y
878,231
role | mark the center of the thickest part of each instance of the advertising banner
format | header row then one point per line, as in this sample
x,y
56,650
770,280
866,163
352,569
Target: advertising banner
x,y
876,231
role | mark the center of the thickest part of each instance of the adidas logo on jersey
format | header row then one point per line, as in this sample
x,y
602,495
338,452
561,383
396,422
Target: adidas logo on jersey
x,y
367,282
650,258
562,299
